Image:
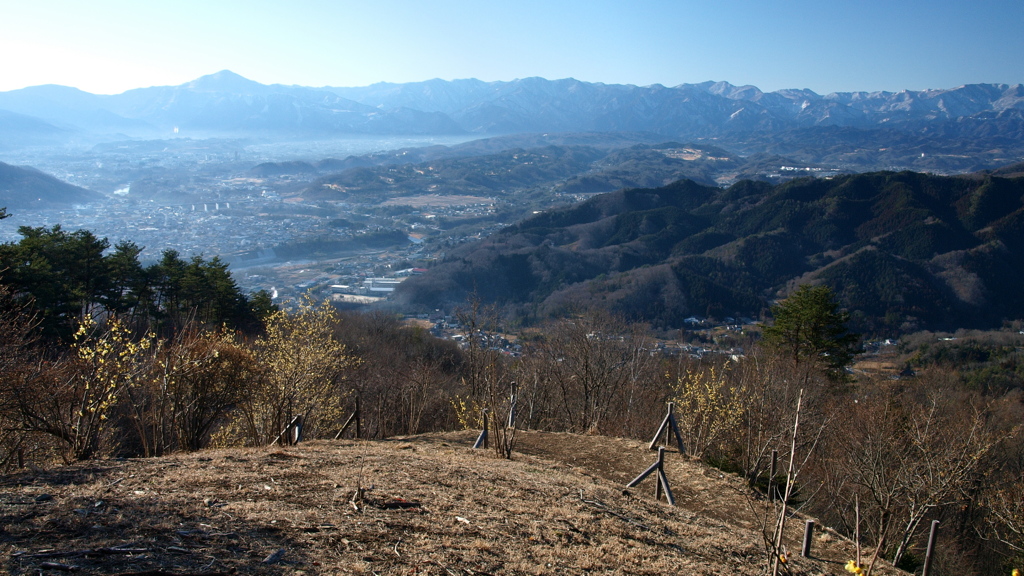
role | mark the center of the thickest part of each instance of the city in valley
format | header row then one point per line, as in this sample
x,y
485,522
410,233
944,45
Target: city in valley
x,y
202,198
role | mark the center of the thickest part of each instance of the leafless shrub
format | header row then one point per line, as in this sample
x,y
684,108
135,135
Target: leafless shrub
x,y
195,380
597,367
907,453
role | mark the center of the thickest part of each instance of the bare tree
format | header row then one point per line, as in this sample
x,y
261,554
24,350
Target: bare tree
x,y
18,365
598,368
906,454
490,376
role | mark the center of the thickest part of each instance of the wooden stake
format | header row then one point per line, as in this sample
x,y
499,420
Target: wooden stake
x,y
296,435
285,435
513,398
663,482
931,548
667,428
856,526
805,551
661,472
657,435
644,474
344,427
481,440
359,417
353,418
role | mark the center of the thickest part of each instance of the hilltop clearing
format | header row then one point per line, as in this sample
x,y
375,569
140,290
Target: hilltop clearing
x,y
433,506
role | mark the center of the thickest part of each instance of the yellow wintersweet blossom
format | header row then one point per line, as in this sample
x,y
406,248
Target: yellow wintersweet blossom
x,y
708,407
469,413
852,567
111,359
304,374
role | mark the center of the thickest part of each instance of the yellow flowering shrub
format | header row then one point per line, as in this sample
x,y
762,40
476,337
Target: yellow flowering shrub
x,y
468,412
110,359
708,407
303,368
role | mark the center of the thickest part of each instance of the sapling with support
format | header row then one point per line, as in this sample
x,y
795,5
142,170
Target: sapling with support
x,y
773,509
504,428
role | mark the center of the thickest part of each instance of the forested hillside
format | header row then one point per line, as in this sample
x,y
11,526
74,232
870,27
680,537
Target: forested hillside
x,y
62,276
903,251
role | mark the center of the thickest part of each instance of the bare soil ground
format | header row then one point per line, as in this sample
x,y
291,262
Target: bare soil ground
x,y
433,505
436,200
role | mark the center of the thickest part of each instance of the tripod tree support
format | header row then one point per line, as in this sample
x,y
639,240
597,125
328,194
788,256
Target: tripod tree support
x,y
667,428
662,485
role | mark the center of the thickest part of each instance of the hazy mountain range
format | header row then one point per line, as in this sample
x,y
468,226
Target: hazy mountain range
x,y
225,103
906,250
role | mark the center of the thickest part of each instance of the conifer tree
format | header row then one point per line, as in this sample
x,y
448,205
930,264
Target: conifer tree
x,y
811,328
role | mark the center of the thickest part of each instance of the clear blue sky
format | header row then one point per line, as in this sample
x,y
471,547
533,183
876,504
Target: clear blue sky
x,y
108,46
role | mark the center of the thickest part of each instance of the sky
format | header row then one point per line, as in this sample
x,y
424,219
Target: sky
x,y
109,46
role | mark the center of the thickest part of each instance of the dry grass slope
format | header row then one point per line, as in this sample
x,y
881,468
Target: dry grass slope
x,y
435,506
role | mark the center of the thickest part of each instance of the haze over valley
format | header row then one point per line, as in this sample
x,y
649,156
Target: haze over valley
x,y
308,188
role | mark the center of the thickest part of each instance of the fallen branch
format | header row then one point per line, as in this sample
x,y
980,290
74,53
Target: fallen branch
x,y
275,557
165,573
602,507
77,553
56,566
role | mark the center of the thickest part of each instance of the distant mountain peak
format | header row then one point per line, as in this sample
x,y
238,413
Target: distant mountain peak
x,y
224,81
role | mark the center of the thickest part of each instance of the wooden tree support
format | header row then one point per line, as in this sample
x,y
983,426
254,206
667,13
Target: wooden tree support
x,y
773,471
513,399
662,486
932,534
805,550
353,418
668,427
481,440
292,433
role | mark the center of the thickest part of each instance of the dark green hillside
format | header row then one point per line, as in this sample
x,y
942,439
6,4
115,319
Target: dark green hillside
x,y
1011,171
24,187
904,251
